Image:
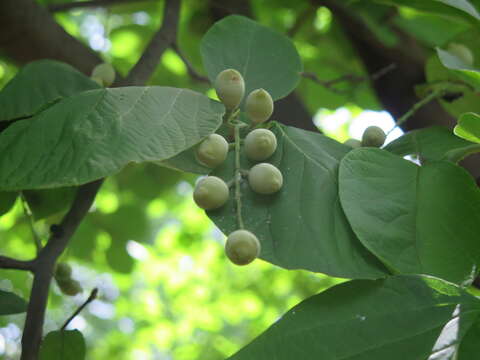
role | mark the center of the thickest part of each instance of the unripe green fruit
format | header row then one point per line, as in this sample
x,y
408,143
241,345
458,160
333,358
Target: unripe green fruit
x,y
373,136
104,72
230,88
70,287
259,106
354,143
242,247
212,151
260,144
265,178
462,52
63,271
210,193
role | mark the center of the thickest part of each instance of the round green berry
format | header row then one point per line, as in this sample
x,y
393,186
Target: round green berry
x,y
210,193
264,178
242,247
212,151
104,73
373,136
63,271
260,144
259,106
353,143
230,88
70,287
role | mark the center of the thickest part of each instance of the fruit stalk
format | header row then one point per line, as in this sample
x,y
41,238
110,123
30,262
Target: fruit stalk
x,y
238,177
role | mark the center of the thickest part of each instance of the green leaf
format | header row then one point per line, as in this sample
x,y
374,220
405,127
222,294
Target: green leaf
x,y
398,318
11,303
458,8
462,70
38,84
186,161
266,59
47,202
431,144
7,200
470,346
421,220
63,345
468,127
303,226
96,133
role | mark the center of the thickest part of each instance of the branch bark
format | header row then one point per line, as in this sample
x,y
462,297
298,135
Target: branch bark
x,y
9,263
44,266
162,40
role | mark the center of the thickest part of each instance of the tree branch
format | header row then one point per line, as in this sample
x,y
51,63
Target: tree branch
x,y
162,40
45,264
93,296
90,4
10,263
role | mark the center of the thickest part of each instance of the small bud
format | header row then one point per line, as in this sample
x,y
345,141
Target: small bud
x,y
353,143
265,178
260,144
63,271
462,52
212,151
259,106
104,74
242,247
373,136
69,287
211,193
230,88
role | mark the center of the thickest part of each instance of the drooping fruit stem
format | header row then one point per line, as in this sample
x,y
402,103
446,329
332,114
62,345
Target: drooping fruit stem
x,y
238,176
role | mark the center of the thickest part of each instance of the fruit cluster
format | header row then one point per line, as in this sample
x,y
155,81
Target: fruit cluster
x,y
211,192
63,277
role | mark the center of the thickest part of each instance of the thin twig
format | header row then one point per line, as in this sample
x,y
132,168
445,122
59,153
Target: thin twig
x,y
162,40
93,296
300,20
44,266
347,78
89,4
238,177
190,69
415,108
10,263
28,214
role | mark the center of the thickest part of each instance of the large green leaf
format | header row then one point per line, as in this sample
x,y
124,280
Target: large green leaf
x,y
470,346
96,133
398,318
421,220
63,345
431,144
468,127
38,84
456,8
7,200
46,202
11,303
303,226
465,72
266,59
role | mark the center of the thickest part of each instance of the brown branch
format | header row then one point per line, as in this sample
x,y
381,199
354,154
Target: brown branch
x,y
190,69
45,264
162,40
90,4
93,296
9,263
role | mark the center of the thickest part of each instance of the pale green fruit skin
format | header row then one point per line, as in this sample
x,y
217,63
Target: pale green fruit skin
x,y
210,193
259,106
260,144
63,271
104,72
264,178
70,287
242,247
230,88
462,52
212,151
353,143
373,136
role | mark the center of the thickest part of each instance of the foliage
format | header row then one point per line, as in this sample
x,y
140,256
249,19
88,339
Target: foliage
x,y
401,234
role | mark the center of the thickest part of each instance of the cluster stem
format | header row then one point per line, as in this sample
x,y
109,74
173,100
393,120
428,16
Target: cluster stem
x,y
238,177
